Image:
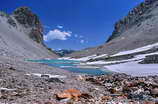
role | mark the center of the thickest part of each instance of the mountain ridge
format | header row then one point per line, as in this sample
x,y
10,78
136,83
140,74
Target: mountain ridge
x,y
134,17
138,35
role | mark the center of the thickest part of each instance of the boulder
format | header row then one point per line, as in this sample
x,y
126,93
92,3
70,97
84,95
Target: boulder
x,y
106,98
154,91
55,80
73,94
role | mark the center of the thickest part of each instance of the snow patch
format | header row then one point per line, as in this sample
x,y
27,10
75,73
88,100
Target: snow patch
x,y
137,57
84,58
50,76
7,89
135,69
145,48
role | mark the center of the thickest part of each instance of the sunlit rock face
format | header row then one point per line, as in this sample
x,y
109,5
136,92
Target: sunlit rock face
x,y
134,17
30,20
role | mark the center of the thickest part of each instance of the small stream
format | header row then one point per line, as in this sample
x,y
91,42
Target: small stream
x,y
72,66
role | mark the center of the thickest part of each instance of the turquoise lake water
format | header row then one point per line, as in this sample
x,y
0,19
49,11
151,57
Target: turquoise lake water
x,y
70,65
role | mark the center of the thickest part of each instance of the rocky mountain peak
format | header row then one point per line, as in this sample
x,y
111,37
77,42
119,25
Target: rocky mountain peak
x,y
17,30
28,19
25,16
135,17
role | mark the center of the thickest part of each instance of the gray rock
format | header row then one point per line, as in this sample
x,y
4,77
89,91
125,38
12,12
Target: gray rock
x,y
151,59
154,91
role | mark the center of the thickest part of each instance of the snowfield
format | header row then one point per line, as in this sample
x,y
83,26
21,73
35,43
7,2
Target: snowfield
x,y
137,57
128,66
145,48
134,69
84,58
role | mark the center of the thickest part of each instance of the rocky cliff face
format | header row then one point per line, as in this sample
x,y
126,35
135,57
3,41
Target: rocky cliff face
x,y
29,20
21,35
134,17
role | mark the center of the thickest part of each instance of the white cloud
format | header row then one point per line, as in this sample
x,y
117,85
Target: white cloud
x,y
60,26
59,49
82,41
69,32
57,34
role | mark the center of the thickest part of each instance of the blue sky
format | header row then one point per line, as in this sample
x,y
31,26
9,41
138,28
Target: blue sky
x,y
75,24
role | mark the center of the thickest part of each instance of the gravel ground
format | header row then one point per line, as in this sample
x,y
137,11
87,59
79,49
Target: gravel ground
x,y
18,85
23,88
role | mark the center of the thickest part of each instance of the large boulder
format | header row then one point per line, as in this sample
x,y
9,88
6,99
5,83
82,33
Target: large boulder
x,y
69,94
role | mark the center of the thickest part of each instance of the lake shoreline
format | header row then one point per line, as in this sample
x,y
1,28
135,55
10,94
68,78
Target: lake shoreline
x,y
72,66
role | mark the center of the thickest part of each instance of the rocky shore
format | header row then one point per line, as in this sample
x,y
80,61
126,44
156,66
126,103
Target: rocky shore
x,y
19,84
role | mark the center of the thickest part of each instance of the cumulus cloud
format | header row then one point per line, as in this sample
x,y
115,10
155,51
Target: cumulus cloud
x,y
82,41
57,34
60,26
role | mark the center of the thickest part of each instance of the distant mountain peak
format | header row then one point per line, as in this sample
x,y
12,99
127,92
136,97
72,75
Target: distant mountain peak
x,y
63,52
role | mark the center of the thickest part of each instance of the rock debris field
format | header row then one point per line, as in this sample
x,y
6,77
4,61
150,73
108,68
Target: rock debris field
x,y
19,86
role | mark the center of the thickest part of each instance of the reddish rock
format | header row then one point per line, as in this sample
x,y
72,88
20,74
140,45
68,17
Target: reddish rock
x,y
106,98
149,102
48,103
70,94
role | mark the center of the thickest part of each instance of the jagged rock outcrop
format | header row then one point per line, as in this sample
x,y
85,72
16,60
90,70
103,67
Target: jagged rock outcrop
x,y
21,35
151,59
134,17
30,20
